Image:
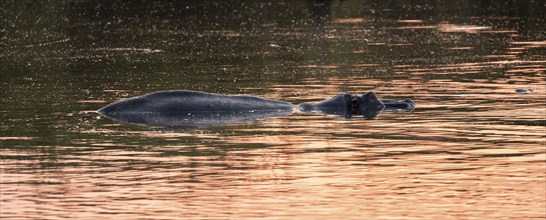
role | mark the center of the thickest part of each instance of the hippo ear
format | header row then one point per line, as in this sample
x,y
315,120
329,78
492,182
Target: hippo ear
x,y
370,96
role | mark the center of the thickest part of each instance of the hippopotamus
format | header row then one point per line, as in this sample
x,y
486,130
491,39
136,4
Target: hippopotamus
x,y
192,109
348,102
347,105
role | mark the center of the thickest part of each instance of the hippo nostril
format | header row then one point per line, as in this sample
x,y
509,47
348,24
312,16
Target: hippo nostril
x,y
354,103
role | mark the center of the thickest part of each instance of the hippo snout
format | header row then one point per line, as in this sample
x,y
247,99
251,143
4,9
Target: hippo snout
x,y
375,106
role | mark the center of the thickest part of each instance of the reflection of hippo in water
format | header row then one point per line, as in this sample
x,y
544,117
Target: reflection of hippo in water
x,y
190,109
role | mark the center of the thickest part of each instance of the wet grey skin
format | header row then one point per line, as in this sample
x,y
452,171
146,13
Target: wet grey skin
x,y
407,104
351,103
183,109
190,109
347,105
192,101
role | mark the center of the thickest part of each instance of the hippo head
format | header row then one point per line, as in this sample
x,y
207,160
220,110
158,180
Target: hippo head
x,y
368,101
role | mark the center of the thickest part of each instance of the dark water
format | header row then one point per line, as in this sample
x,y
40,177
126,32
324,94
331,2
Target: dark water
x,y
473,148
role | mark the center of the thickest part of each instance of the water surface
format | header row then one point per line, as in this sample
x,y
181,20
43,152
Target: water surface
x,y
473,148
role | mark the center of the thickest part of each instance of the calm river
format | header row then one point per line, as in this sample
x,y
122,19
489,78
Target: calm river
x,y
472,149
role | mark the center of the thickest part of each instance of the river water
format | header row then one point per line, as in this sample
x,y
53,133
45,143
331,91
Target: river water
x,y
472,149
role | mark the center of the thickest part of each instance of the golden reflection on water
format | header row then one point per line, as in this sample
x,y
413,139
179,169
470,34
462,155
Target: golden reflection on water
x,y
457,154
463,152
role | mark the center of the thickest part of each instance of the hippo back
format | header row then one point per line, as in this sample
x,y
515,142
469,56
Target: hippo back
x,y
182,109
191,101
